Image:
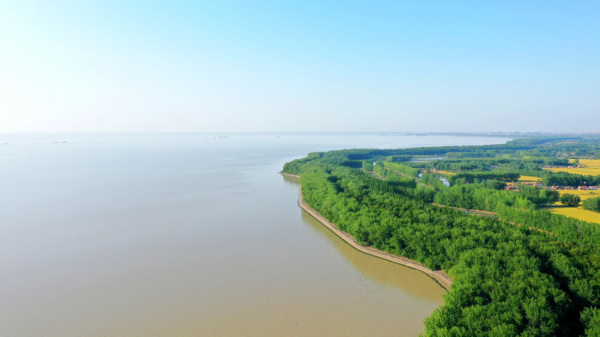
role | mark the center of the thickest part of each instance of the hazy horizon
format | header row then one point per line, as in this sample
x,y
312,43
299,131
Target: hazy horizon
x,y
299,67
501,133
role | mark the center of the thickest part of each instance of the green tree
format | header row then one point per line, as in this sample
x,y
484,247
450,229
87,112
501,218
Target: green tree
x,y
592,204
495,184
590,317
537,279
570,200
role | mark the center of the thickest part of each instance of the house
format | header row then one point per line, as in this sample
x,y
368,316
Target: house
x,y
583,188
569,188
594,187
537,184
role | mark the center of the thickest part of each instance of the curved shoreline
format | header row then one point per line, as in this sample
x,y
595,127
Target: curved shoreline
x,y
438,275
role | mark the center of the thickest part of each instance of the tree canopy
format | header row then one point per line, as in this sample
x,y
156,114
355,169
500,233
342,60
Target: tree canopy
x,y
527,272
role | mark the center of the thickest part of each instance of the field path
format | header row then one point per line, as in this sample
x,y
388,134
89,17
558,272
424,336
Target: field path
x,y
489,214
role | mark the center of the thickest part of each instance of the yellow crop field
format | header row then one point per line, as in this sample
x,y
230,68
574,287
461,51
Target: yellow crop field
x,y
588,162
529,179
582,194
592,167
577,213
583,171
446,173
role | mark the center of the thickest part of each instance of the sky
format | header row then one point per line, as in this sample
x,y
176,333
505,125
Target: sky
x,y
299,66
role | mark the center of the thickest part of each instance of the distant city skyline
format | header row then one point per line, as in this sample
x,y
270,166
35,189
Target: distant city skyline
x,y
308,66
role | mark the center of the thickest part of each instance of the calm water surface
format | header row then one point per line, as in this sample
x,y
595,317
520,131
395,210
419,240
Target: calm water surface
x,y
188,235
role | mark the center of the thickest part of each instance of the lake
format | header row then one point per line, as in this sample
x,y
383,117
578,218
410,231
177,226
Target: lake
x,y
189,235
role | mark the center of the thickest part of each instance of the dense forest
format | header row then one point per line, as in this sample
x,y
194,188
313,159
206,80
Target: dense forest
x,y
526,273
592,204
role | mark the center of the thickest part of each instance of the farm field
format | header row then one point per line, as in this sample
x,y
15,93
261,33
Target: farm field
x,y
582,194
446,173
529,179
577,213
592,167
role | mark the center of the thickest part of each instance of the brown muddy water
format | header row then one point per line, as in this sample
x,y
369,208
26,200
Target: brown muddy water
x,y
188,235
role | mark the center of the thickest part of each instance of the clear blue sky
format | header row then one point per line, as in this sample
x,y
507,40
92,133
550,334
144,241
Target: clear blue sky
x,y
299,66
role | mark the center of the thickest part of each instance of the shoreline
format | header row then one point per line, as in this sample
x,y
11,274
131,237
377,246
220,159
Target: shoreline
x,y
437,275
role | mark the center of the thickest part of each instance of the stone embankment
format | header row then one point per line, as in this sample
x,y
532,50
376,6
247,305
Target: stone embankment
x,y
289,175
438,275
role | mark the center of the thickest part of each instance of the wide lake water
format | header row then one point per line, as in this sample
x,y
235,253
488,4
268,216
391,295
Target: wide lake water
x,y
189,235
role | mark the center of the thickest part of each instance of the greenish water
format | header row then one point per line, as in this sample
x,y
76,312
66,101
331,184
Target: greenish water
x,y
188,235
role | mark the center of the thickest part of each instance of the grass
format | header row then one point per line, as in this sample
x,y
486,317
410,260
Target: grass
x,y
577,213
592,167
